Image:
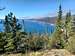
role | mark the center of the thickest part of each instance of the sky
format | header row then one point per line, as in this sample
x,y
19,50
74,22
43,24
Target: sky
x,y
35,8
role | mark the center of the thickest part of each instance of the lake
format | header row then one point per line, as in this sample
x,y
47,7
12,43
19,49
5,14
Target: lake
x,y
32,26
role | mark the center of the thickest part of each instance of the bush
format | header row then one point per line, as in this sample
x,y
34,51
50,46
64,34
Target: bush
x,y
38,42
57,40
70,45
23,41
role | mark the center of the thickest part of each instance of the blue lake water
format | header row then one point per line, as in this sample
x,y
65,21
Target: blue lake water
x,y
33,26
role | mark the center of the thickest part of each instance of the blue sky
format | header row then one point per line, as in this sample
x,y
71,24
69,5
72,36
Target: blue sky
x,y
35,8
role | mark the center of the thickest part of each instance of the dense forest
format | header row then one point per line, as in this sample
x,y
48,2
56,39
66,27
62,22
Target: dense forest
x,y
13,40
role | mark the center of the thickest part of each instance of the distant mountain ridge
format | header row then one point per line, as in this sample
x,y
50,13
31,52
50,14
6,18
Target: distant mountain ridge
x,y
51,20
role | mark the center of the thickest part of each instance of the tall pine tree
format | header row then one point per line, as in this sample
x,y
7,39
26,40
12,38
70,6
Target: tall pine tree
x,y
59,20
70,45
7,25
67,25
13,27
57,39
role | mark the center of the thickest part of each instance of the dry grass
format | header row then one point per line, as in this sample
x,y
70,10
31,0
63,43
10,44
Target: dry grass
x,y
53,52
58,52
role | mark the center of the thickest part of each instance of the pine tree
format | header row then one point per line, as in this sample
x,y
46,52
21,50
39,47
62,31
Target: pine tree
x,y
59,30
57,38
2,42
73,25
9,43
70,45
8,33
15,28
7,25
59,20
67,25
11,22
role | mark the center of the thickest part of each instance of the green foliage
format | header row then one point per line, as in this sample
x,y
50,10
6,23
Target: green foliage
x,y
59,20
2,42
7,25
70,45
39,42
57,40
67,25
20,42
11,26
9,45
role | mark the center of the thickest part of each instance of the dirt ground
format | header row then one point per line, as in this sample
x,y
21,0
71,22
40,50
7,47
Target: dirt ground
x,y
52,52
